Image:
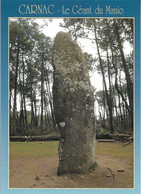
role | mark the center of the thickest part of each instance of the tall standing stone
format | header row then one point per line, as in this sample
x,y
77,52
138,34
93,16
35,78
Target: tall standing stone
x,y
73,106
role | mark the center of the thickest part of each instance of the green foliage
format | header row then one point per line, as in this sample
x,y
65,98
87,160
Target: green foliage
x,y
31,74
109,37
90,61
102,131
93,167
30,77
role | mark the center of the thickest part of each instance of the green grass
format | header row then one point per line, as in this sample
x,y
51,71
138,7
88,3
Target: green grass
x,y
115,150
50,148
33,149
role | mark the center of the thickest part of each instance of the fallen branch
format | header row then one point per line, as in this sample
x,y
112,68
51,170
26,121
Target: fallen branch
x,y
111,173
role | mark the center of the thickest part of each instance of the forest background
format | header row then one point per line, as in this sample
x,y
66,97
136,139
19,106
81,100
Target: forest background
x,y
111,56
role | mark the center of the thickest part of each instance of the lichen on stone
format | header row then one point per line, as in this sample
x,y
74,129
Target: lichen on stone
x,y
73,106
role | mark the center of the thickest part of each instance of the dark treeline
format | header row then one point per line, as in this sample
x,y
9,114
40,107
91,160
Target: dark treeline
x,y
30,77
31,73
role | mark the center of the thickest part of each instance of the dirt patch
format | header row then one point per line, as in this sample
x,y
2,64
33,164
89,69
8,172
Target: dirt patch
x,y
33,172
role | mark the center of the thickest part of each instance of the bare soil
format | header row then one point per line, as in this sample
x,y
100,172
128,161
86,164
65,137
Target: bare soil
x,y
33,172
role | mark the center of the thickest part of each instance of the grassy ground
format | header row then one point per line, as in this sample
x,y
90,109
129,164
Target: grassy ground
x,y
33,149
116,150
50,148
29,160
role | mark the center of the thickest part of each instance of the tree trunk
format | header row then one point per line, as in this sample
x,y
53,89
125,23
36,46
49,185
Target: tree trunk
x,y
32,109
24,100
50,101
42,91
15,90
127,74
104,81
35,114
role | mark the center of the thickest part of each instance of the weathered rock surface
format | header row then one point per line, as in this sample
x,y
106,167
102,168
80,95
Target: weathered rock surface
x,y
73,106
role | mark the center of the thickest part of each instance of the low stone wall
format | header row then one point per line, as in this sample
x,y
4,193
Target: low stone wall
x,y
34,138
117,137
